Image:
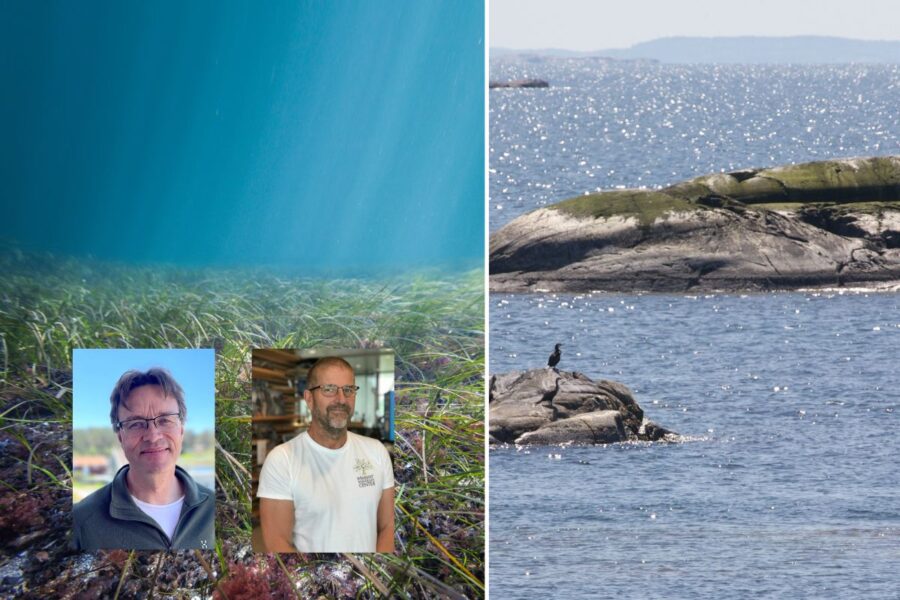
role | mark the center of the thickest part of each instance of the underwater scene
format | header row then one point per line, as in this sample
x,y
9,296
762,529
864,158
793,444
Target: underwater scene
x,y
227,177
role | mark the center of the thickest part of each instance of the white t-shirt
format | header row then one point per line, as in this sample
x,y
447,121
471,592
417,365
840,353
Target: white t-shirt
x,y
165,515
335,492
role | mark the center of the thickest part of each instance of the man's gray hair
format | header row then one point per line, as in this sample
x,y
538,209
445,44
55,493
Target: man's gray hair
x,y
135,379
325,361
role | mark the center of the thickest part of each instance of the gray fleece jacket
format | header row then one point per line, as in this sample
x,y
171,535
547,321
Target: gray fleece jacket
x,y
109,518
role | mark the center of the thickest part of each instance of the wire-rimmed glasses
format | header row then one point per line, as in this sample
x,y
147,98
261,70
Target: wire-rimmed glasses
x,y
164,423
329,390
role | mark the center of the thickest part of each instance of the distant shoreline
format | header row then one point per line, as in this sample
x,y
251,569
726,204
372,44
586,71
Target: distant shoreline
x,y
807,50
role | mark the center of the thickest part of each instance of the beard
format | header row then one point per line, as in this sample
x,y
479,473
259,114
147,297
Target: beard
x,y
335,419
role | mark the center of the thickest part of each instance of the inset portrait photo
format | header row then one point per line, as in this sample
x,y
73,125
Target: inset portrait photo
x,y
322,429
143,467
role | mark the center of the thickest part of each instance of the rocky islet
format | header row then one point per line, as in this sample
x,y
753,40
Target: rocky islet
x,y
820,224
582,411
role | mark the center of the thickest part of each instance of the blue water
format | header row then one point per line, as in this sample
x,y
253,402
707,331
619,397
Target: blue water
x,y
312,135
600,127
786,485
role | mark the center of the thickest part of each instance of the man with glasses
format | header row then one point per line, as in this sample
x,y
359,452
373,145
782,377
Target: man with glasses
x,y
328,489
151,504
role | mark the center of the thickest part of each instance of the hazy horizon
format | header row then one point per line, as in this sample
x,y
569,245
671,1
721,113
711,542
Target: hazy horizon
x,y
673,37
587,26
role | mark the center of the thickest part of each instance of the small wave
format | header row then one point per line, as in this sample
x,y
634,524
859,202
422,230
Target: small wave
x,y
686,439
871,288
671,438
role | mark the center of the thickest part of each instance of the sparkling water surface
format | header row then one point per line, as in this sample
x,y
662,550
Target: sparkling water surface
x,y
604,126
786,484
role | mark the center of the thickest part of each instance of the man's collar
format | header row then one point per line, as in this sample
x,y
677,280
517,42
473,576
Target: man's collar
x,y
122,507
321,445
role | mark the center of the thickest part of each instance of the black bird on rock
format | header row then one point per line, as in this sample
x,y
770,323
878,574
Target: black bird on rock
x,y
550,395
548,398
554,358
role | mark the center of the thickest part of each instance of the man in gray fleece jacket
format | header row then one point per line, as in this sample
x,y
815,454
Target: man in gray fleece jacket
x,y
151,504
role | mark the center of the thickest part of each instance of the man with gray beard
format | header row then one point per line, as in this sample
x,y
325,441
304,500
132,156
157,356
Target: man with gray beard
x,y
328,489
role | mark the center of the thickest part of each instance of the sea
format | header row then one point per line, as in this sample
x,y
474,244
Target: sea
x,y
326,139
783,482
602,126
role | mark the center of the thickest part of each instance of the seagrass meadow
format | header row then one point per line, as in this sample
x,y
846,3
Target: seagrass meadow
x,y
434,322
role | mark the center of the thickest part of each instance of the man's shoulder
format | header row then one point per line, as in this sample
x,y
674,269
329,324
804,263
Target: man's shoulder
x,y
370,445
363,439
291,446
202,490
93,510
96,500
203,493
286,452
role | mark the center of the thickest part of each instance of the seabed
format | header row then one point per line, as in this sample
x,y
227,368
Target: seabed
x,y
435,323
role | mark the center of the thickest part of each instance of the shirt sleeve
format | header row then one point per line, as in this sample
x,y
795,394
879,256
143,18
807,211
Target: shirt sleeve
x,y
387,469
275,478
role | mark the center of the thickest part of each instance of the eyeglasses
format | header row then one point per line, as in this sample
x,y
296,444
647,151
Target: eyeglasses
x,y
167,422
330,389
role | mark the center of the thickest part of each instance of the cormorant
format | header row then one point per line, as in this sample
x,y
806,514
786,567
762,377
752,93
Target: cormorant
x,y
554,358
549,396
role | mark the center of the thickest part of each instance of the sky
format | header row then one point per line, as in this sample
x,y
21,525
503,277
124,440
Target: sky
x,y
95,373
595,25
322,136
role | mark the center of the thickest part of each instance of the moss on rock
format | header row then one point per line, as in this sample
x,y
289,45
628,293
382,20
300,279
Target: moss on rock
x,y
869,184
842,182
750,190
644,205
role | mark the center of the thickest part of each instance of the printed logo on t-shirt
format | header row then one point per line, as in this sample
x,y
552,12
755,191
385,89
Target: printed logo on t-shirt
x,y
363,468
